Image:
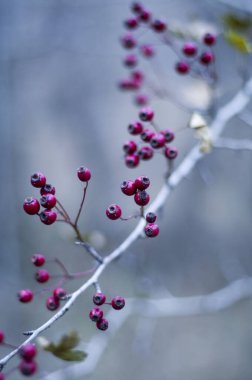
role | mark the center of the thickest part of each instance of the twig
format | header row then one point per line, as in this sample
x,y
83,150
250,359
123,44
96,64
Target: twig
x,y
233,144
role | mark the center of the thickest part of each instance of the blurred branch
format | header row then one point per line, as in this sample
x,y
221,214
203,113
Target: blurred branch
x,y
233,144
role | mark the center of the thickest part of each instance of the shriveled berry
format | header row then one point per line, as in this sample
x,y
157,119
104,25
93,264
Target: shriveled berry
x,y
182,67
59,293
128,187
151,217
130,147
28,351
132,160
52,303
48,217
147,51
48,201
159,25
151,230
142,198
141,99
31,206
209,39
27,368
47,189
142,182
38,179
157,141
145,153
99,298
102,324
113,212
137,7
145,15
128,41
147,134
168,134
206,58
2,336
130,60
84,174
25,295
38,260
190,49
42,275
118,303
146,114
95,314
170,153
131,23
135,128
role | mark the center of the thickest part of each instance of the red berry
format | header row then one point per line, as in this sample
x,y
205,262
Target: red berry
x,y
118,303
157,141
129,84
113,212
38,180
132,160
59,293
151,230
48,201
27,368
42,275
168,134
137,75
151,217
48,217
47,189
130,60
52,303
142,182
147,51
31,205
146,114
206,58
128,187
141,99
102,324
28,351
2,336
145,15
25,295
142,198
147,134
145,153
158,25
182,67
137,7
131,23
84,174
128,41
130,147
209,39
135,128
99,298
170,153
38,260
95,314
2,377
190,49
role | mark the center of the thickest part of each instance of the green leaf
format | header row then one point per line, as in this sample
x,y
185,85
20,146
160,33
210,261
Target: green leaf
x,y
233,21
238,41
71,356
69,341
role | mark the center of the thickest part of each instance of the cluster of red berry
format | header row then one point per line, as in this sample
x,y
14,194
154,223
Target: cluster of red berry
x,y
155,138
96,314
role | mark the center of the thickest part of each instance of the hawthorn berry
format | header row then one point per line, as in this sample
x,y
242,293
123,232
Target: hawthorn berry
x,y
48,201
147,134
151,230
159,25
31,206
206,58
137,75
42,275
146,114
59,293
151,217
128,187
118,303
129,84
2,377
168,134
145,153
182,67
141,99
157,140
113,212
38,260
145,15
48,217
128,41
47,189
131,160
141,198
52,303
25,295
102,324
190,49
99,298
209,39
95,314
28,351
131,23
142,182
170,153
147,51
2,336
27,368
130,147
130,60
84,174
135,128
38,180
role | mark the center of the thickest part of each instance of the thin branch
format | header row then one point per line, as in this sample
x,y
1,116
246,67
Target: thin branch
x,y
81,205
91,250
233,144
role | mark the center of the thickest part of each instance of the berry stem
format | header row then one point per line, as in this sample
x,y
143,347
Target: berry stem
x,y
97,287
81,205
64,211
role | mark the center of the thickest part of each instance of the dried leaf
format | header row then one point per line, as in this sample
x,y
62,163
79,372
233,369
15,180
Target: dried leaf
x,y
197,121
234,21
238,41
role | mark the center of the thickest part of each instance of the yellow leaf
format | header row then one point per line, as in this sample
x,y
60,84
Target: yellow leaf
x,y
238,41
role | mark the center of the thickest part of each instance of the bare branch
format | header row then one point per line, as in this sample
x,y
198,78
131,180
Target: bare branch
x,y
233,144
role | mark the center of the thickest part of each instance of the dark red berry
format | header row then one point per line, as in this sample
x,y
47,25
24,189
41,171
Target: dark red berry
x,y
38,260
142,182
118,303
170,152
95,314
135,128
146,114
147,51
2,376
137,75
182,67
28,351
47,189
102,324
190,49
147,134
168,134
151,217
52,303
137,7
132,160
159,25
130,147
48,201
157,141
206,58
42,275
84,174
141,99
142,198
151,230
25,295
145,153
128,41
31,205
113,212
2,336
38,180
131,23
209,39
27,368
48,217
59,293
99,299
128,187
145,15
129,84
130,60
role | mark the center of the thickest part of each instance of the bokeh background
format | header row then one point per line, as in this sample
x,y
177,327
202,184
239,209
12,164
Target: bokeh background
x,y
60,61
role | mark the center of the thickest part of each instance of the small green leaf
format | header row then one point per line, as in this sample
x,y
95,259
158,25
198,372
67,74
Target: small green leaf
x,y
71,356
238,41
69,341
235,22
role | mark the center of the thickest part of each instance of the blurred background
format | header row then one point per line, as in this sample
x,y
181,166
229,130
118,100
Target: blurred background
x,y
60,63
